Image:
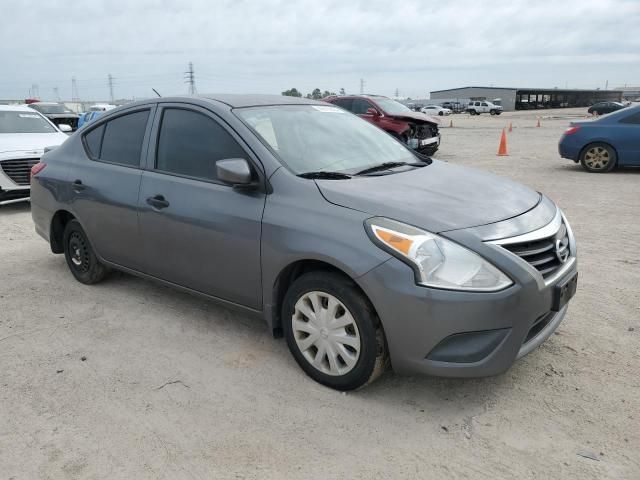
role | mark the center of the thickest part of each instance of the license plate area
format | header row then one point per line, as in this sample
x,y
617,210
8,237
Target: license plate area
x,y
564,291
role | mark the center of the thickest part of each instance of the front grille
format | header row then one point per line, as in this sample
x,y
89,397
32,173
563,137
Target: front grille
x,y
545,254
19,170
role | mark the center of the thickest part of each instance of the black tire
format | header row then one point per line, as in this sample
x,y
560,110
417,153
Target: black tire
x,y
598,158
441,113
81,259
492,112
372,359
498,112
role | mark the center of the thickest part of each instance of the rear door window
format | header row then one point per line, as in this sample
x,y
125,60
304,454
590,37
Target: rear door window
x,y
360,106
345,103
119,140
190,143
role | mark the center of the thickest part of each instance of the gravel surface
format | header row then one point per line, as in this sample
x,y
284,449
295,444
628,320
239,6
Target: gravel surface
x,y
132,380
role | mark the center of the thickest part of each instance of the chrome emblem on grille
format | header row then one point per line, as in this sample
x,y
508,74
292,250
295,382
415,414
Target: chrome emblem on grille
x,y
562,249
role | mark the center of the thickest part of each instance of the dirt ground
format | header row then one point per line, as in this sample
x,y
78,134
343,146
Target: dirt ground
x,y
131,380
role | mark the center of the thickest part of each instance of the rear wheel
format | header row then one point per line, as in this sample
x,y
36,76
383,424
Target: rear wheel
x,y
598,158
333,332
81,259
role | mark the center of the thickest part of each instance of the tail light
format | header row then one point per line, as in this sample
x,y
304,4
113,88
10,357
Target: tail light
x,y
571,130
37,168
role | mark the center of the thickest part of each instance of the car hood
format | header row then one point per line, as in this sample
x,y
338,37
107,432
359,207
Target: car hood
x,y
439,197
413,116
19,142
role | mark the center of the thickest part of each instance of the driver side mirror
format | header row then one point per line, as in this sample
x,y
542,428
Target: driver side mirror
x,y
234,171
63,127
373,111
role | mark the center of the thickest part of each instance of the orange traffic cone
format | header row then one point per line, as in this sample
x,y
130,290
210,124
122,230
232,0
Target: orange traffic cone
x,y
451,124
502,149
510,127
538,124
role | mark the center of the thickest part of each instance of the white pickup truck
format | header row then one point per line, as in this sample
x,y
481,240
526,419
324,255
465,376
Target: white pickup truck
x,y
476,108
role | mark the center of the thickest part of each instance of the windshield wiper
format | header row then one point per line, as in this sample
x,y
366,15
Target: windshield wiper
x,y
387,166
324,175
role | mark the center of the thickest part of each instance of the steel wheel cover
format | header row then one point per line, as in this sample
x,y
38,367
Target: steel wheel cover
x,y
597,158
326,333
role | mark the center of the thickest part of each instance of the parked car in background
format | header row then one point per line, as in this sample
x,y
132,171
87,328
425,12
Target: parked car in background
x,y
101,107
24,134
484,106
435,110
415,129
88,117
601,145
602,108
346,241
57,113
455,107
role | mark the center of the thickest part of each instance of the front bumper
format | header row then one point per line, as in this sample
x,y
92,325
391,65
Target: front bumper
x,y
464,334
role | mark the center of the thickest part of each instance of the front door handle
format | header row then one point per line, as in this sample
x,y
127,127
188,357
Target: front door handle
x,y
77,185
158,202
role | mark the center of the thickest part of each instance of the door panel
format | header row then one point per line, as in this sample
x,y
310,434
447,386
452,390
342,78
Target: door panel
x,y
196,231
104,195
206,239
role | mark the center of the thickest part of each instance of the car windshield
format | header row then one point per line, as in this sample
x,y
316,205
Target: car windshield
x,y
312,138
391,106
50,109
24,122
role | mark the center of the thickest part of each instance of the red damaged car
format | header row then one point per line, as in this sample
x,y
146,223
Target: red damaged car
x,y
417,130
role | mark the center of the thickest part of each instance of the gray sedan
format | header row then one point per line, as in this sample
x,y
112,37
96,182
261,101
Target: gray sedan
x,y
355,248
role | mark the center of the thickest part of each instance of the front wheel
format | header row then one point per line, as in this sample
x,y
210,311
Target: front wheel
x,y
80,257
333,332
492,112
441,113
598,158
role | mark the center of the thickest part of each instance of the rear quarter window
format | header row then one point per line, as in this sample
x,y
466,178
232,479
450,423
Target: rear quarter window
x,y
118,140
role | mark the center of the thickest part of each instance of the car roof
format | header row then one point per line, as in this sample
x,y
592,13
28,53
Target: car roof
x,y
16,108
255,100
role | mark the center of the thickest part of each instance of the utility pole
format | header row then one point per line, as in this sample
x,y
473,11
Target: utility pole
x,y
56,94
110,79
75,97
362,82
397,93
190,78
35,91
606,85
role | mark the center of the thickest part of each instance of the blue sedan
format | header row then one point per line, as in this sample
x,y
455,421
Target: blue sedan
x,y
601,145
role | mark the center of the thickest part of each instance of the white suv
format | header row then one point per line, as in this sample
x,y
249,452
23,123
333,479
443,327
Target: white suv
x,y
476,108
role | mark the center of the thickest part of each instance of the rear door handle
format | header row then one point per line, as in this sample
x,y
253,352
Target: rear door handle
x,y
158,202
77,185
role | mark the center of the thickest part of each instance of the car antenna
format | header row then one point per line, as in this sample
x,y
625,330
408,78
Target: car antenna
x,y
156,92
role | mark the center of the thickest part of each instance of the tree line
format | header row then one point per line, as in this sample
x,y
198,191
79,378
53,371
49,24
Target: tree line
x,y
317,94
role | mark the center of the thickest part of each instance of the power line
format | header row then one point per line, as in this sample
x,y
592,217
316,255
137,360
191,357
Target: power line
x,y
110,78
190,78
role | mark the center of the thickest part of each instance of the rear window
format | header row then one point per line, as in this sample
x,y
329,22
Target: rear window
x,y
119,140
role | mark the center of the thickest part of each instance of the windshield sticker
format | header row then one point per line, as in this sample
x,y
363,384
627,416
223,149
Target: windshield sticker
x,y
28,115
328,109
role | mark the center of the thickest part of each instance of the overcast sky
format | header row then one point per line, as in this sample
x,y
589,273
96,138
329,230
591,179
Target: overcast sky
x,y
243,46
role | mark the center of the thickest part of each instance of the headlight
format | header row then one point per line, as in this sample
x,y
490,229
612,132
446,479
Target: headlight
x,y
437,262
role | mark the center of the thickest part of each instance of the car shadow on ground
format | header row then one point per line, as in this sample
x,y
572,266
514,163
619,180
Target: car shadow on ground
x,y
15,208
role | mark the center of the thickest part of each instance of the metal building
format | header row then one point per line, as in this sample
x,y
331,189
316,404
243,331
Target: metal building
x,y
528,98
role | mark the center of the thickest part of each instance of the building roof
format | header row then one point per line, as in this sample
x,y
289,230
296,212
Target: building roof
x,y
530,89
